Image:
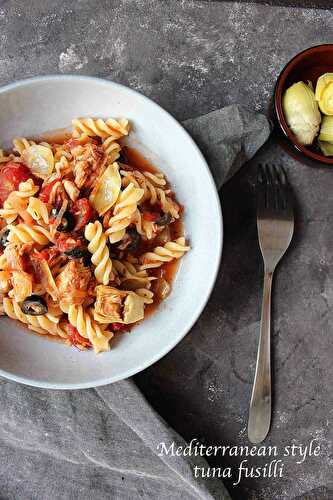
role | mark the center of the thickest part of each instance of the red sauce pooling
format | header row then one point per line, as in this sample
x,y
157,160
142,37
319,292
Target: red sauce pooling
x,y
169,269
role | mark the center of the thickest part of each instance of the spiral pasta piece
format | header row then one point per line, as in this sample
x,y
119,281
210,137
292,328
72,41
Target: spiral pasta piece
x,y
5,283
22,233
20,144
123,212
38,210
156,178
17,201
100,252
160,255
112,149
3,262
130,276
113,129
146,295
88,328
71,189
27,189
8,213
152,193
4,158
46,323
145,228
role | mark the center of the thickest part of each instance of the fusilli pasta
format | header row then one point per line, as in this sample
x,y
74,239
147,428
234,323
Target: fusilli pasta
x,y
42,324
22,233
110,128
4,282
130,276
5,158
145,294
20,144
153,192
88,328
171,250
17,201
38,210
123,212
3,262
112,149
100,252
144,227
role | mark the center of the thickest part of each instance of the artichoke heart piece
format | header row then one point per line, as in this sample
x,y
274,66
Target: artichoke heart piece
x,y
324,93
5,282
40,160
326,100
301,112
326,136
134,307
105,193
326,129
322,82
22,284
118,306
326,148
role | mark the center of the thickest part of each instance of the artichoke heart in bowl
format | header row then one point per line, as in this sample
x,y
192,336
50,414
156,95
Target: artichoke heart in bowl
x,y
326,136
301,112
324,93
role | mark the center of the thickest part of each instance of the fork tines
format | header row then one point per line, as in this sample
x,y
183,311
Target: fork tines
x,y
272,188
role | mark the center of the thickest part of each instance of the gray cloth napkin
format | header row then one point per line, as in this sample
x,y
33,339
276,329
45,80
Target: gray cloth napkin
x,y
102,443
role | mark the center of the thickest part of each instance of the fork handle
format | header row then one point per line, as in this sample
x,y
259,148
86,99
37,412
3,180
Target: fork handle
x,y
261,399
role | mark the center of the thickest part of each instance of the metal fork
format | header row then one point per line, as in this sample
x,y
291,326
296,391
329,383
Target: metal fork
x,y
275,223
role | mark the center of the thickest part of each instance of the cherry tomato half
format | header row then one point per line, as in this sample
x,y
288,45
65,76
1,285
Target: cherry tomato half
x,y
75,338
82,213
11,175
151,216
119,327
44,195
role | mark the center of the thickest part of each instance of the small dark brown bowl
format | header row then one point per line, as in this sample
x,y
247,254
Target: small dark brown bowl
x,y
306,66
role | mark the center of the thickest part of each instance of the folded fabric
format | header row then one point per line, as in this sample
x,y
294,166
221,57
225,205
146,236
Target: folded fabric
x,y
228,138
103,443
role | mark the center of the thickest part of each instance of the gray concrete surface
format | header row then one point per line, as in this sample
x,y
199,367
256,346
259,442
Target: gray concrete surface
x,y
193,57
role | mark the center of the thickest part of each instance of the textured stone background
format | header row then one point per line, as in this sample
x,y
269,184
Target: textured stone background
x,y
193,57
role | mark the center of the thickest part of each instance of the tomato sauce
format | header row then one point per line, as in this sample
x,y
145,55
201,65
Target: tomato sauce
x,y
57,136
168,270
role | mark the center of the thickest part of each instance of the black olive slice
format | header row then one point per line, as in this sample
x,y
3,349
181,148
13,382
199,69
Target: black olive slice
x,y
67,223
4,238
135,240
122,158
34,305
80,253
77,253
164,220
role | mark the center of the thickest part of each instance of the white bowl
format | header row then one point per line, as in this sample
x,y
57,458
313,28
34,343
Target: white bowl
x,y
37,105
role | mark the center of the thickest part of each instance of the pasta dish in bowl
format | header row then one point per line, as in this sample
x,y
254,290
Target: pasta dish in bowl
x,y
83,232
92,233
